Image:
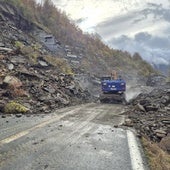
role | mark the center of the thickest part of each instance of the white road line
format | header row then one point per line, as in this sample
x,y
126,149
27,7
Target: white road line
x,y
40,125
14,137
136,159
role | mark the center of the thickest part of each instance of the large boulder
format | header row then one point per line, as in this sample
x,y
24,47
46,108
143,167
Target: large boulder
x,y
12,81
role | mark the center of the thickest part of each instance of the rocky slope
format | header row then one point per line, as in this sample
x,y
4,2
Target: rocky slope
x,y
149,113
61,36
49,67
32,80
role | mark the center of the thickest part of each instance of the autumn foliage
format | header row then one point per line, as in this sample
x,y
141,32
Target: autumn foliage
x,y
48,17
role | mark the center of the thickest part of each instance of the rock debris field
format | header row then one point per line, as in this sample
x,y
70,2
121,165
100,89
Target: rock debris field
x,y
150,115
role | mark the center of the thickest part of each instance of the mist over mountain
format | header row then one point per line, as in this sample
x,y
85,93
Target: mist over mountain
x,y
134,26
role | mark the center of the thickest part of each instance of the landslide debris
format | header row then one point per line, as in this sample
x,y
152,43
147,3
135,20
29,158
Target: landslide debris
x,y
32,80
47,62
149,113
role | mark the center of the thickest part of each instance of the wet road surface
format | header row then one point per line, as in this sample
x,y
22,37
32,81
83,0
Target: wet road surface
x,y
76,138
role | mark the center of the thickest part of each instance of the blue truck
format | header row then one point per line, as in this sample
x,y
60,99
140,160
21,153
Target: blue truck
x,y
112,89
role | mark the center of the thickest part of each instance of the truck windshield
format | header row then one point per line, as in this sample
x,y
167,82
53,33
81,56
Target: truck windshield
x,y
106,78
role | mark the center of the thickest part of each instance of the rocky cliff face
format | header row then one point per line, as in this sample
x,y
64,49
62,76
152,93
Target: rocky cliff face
x,y
32,80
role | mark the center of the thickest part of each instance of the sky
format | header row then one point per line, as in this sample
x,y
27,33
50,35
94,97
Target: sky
x,y
130,25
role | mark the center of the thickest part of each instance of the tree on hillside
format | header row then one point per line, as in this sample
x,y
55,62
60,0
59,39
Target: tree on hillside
x,y
48,17
136,56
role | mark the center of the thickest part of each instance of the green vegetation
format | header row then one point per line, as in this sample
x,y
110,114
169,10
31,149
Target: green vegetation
x,y
58,63
14,107
146,69
18,44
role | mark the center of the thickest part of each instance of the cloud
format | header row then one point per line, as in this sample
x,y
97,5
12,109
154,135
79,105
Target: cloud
x,y
132,25
154,42
153,49
146,31
142,37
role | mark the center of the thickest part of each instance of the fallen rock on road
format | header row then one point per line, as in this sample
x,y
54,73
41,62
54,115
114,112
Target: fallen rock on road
x,y
30,76
149,113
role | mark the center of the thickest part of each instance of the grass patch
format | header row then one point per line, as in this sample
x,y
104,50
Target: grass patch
x,y
157,158
59,63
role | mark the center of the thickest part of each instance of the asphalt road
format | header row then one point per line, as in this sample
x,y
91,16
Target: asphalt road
x,y
76,138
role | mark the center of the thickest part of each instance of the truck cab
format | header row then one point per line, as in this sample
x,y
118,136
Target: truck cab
x,y
112,89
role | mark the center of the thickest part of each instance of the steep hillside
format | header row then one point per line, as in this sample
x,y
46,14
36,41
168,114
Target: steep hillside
x,y
32,80
47,62
66,40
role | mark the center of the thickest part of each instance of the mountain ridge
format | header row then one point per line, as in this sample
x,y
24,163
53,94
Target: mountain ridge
x,y
71,43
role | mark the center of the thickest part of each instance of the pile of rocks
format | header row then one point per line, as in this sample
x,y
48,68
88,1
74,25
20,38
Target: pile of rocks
x,y
28,81
150,115
38,89
156,80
